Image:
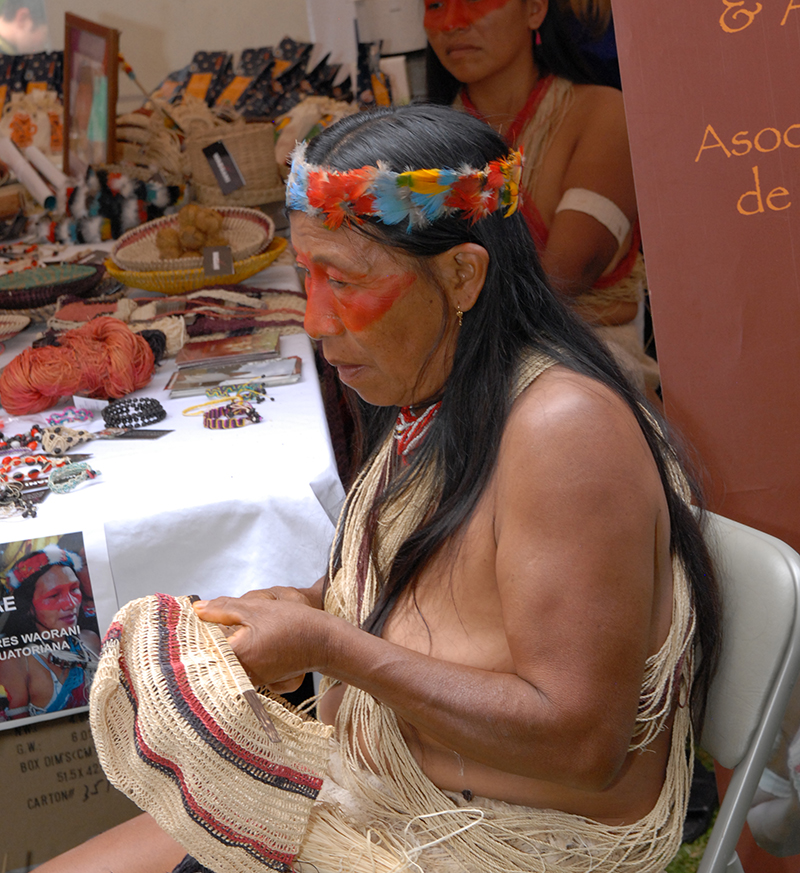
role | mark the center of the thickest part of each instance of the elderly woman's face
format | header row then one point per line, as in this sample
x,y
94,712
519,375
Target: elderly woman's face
x,y
381,324
57,599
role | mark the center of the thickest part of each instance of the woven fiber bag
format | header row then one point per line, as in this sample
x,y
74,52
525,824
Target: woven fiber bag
x,y
175,733
252,146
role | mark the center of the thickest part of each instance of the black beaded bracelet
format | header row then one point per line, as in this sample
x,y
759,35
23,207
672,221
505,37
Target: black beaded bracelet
x,y
133,412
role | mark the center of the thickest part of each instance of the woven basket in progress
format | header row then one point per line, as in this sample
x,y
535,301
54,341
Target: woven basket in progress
x,y
174,733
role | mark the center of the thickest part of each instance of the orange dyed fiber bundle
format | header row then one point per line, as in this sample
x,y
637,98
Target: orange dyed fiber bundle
x,y
104,358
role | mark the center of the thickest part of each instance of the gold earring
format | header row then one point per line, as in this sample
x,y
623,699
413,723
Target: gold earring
x,y
459,316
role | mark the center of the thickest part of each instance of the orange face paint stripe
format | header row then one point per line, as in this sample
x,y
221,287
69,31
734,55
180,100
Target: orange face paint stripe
x,y
458,14
357,308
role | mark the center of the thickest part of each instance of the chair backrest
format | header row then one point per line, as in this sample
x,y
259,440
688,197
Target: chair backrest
x,y
760,581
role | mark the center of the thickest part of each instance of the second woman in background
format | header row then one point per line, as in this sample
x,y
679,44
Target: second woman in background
x,y
512,63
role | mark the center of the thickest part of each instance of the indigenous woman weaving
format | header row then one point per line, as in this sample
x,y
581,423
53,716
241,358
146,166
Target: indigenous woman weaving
x,y
518,594
512,63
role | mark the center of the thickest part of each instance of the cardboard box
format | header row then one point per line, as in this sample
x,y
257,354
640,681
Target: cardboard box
x,y
55,794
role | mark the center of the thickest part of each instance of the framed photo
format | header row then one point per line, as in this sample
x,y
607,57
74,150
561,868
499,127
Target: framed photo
x,y
91,65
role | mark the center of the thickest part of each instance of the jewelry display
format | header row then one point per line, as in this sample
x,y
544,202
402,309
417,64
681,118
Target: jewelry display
x,y
255,392
59,440
28,440
234,414
200,408
68,415
133,412
28,469
66,479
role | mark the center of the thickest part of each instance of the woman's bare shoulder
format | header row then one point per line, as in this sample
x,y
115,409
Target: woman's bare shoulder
x,y
568,422
598,106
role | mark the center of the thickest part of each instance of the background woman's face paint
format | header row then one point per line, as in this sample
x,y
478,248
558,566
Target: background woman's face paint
x,y
356,302
442,15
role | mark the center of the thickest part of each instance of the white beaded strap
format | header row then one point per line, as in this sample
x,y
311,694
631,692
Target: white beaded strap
x,y
604,210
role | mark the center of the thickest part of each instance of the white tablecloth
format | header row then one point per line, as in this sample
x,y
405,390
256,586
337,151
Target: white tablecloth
x,y
203,511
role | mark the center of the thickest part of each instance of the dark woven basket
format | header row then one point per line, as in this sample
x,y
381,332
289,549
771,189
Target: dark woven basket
x,y
40,286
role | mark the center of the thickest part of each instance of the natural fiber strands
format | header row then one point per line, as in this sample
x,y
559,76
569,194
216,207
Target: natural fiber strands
x,y
104,359
174,733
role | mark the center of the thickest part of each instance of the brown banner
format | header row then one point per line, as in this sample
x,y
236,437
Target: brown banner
x,y
711,99
714,120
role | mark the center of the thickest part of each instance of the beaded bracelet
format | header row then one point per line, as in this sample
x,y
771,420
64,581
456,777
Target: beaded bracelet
x,y
133,412
68,478
70,414
235,414
28,468
28,440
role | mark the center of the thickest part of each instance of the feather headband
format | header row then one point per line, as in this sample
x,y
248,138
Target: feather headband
x,y
418,197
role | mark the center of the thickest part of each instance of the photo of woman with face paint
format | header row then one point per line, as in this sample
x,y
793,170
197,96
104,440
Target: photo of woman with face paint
x,y
512,63
48,658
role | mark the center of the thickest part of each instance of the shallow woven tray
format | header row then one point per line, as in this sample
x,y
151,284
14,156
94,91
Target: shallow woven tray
x,y
182,281
248,231
41,286
11,325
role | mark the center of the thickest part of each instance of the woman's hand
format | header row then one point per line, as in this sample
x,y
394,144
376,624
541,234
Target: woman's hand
x,y
278,634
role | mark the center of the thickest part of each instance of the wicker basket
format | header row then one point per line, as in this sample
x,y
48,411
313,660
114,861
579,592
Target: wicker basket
x,y
182,281
11,325
41,286
252,146
249,232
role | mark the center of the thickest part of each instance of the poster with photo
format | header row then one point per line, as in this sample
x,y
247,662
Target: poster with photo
x,y
56,600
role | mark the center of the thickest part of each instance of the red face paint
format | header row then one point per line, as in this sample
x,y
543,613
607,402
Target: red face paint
x,y
444,15
56,598
357,302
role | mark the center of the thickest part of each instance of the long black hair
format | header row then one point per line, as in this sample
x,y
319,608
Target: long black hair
x,y
516,312
556,53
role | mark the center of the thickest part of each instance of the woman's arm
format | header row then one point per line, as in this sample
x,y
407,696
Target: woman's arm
x,y
576,507
580,248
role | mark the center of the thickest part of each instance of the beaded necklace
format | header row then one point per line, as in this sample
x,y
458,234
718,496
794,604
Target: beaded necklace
x,y
411,427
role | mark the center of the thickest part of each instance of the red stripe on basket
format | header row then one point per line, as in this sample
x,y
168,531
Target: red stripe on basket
x,y
197,812
170,611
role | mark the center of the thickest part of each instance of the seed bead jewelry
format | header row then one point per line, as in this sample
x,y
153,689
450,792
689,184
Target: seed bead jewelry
x,y
27,469
133,412
29,441
234,414
68,478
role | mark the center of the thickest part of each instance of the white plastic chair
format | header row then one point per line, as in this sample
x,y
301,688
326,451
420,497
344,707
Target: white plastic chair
x,y
760,581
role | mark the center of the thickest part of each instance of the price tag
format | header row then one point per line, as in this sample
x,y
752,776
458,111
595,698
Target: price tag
x,y
228,175
218,261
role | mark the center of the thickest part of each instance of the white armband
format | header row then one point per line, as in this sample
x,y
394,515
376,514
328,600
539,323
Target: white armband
x,y
604,210
774,784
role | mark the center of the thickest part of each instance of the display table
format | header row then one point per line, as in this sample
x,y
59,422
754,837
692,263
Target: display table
x,y
203,511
